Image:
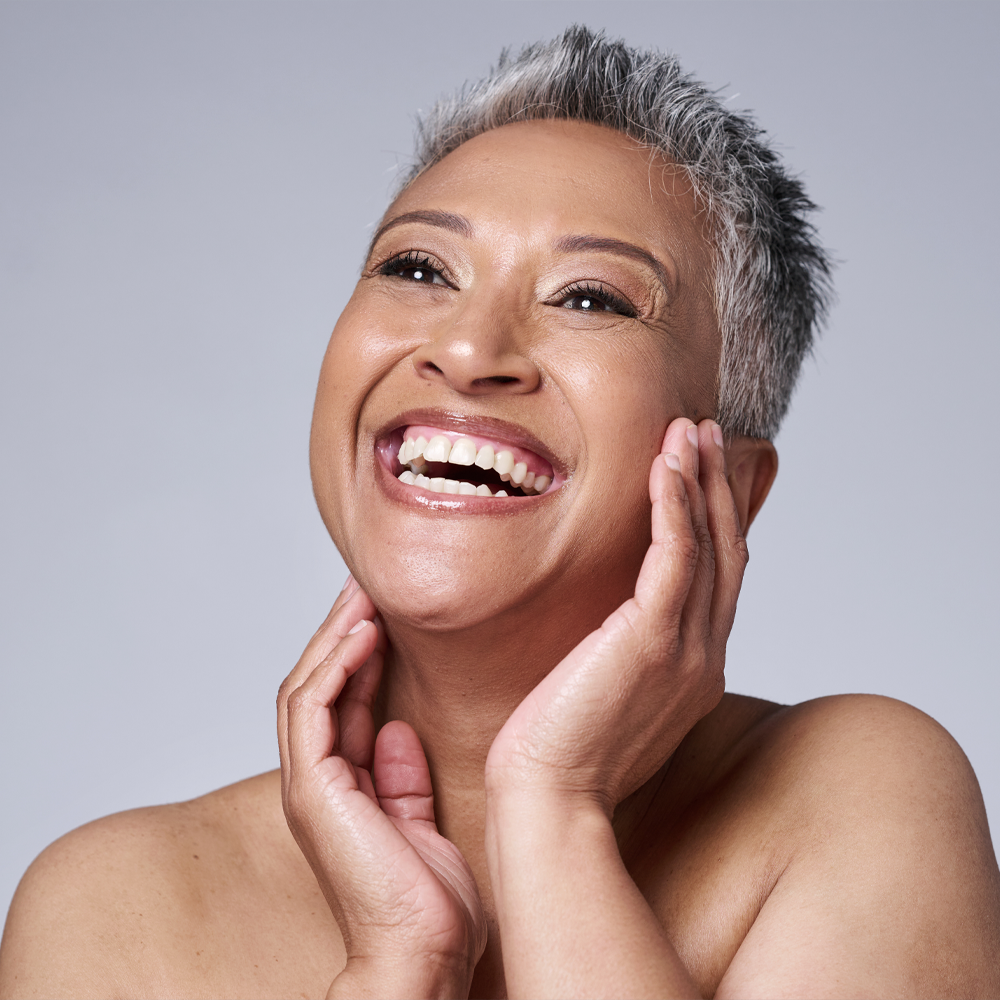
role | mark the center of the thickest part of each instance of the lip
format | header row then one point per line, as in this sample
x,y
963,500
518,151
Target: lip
x,y
490,427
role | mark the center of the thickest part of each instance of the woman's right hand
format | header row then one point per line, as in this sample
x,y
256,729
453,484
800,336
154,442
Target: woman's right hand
x,y
362,811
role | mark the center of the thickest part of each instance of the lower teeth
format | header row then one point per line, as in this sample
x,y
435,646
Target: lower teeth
x,y
440,485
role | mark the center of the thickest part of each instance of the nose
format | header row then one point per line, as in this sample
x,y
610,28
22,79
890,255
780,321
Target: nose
x,y
479,352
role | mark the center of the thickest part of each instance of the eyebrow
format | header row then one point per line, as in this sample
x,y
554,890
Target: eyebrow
x,y
431,217
567,244
608,244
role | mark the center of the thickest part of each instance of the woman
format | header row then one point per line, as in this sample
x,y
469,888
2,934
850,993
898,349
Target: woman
x,y
541,433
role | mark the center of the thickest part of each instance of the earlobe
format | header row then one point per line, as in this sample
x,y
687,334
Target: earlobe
x,y
753,464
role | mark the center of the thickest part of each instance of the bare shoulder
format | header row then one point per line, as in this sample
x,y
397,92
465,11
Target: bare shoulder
x,y
888,882
869,766
127,905
96,894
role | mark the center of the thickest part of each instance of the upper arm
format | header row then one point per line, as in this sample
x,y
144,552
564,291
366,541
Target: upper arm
x,y
80,921
892,887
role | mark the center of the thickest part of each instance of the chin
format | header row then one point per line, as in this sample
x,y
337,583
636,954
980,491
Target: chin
x,y
443,591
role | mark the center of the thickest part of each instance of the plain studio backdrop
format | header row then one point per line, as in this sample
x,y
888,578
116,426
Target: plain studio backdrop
x,y
186,193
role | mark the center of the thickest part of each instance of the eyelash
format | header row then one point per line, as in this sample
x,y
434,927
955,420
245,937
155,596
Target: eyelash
x,y
412,260
602,293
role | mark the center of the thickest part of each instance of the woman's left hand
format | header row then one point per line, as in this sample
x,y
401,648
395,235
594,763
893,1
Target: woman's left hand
x,y
607,717
572,921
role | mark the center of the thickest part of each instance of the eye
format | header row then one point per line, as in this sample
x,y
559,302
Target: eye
x,y
590,298
413,267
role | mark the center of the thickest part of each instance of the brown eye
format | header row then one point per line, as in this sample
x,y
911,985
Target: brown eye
x,y
587,298
425,274
585,303
413,267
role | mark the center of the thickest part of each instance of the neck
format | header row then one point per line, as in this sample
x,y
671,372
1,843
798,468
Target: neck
x,y
457,689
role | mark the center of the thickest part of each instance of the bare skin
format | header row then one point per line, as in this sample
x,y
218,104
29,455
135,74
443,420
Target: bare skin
x,y
564,803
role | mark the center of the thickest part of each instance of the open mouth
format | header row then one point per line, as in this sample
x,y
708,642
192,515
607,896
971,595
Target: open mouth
x,y
443,461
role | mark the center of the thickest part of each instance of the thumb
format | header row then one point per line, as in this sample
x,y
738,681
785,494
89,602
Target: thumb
x,y
401,775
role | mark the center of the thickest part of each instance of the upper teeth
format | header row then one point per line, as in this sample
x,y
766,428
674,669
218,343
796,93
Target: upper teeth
x,y
417,453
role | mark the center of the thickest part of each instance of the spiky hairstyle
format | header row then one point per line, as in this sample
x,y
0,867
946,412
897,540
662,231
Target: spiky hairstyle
x,y
771,278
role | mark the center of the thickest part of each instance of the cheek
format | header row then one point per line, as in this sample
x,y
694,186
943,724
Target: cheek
x,y
623,401
624,395
343,381
360,355
325,462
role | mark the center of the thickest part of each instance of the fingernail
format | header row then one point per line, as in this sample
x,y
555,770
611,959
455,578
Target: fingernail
x,y
672,461
360,625
347,583
717,435
693,436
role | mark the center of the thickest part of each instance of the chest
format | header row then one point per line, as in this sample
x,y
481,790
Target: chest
x,y
705,876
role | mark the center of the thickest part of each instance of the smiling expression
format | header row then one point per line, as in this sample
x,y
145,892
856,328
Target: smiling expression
x,y
534,310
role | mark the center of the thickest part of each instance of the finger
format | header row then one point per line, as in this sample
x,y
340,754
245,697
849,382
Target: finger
x,y
346,593
312,726
728,541
669,566
355,704
401,775
683,438
354,608
351,606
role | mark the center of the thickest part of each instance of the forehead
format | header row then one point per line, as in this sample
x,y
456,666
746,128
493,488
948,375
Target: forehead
x,y
557,177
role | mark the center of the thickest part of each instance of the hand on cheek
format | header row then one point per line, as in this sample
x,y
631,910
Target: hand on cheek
x,y
610,713
699,454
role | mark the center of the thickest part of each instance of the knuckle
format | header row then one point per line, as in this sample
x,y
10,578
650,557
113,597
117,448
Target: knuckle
x,y
738,551
297,700
742,550
295,803
738,547
714,689
283,691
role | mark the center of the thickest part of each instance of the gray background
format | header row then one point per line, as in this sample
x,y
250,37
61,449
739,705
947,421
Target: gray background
x,y
185,195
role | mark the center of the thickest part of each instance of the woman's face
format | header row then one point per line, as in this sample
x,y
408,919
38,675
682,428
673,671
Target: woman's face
x,y
544,292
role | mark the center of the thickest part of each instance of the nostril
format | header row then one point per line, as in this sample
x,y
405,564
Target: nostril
x,y
469,367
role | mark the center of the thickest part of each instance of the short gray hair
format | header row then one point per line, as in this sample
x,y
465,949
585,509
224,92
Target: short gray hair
x,y
771,280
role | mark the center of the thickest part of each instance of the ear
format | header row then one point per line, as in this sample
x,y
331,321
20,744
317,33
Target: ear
x,y
752,464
